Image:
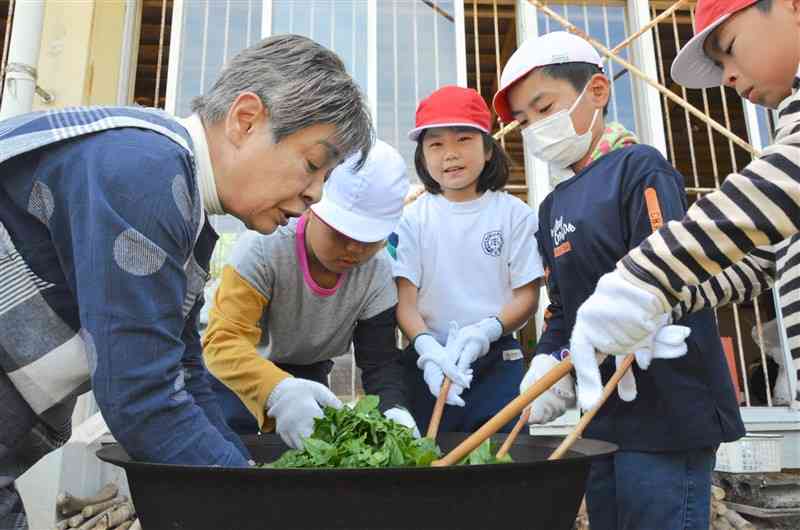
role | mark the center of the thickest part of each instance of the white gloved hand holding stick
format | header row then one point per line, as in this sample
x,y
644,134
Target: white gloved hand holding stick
x,y
437,362
556,400
474,341
667,342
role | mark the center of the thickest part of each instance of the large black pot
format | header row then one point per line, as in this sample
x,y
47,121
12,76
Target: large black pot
x,y
531,493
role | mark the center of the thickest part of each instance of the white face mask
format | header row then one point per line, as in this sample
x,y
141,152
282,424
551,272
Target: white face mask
x,y
554,139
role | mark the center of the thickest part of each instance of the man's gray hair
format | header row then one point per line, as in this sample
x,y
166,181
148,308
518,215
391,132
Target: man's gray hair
x,y
302,84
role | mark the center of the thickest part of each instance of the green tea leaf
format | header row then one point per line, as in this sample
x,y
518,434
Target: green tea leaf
x,y
362,437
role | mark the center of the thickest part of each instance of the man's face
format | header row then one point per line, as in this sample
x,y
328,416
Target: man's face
x,y
265,183
758,52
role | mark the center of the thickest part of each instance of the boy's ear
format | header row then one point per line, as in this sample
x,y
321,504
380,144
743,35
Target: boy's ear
x,y
793,6
600,89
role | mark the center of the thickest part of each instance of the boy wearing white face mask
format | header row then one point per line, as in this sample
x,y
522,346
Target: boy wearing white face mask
x,y
669,416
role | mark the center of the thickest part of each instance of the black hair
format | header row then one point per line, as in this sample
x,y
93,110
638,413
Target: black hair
x,y
576,74
765,6
495,172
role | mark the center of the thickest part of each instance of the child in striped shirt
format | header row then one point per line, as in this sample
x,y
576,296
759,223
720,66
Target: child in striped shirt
x,y
717,239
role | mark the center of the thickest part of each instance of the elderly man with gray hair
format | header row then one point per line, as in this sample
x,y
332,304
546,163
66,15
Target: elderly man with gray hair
x,y
105,245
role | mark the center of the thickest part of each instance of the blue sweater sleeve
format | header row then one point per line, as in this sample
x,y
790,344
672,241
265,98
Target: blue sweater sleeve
x,y
654,197
195,377
123,233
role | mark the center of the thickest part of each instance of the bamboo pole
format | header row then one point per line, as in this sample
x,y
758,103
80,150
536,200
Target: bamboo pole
x,y
618,48
694,111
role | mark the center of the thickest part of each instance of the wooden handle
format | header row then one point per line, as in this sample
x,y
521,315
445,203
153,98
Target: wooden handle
x,y
618,48
509,441
609,389
438,410
508,413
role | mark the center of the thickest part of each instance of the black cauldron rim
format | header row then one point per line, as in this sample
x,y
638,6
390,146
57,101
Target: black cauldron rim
x,y
583,449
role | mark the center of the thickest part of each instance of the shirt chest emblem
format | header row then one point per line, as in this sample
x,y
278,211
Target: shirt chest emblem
x,y
492,243
559,232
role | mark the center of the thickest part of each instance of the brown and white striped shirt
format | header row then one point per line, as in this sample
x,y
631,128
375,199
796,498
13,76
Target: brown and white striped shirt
x,y
711,257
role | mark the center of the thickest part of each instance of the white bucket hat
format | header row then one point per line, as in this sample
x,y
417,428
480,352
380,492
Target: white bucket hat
x,y
366,205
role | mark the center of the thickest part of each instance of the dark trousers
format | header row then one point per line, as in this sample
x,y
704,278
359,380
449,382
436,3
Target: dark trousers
x,y
633,490
236,414
495,383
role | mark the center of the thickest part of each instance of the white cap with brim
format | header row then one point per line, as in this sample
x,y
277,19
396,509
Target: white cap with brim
x,y
692,68
557,47
367,204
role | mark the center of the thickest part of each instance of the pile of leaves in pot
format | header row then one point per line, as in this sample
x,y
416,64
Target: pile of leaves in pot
x,y
361,436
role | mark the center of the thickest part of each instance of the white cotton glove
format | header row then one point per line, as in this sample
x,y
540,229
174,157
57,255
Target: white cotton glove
x,y
616,318
619,315
294,403
404,418
437,361
626,388
474,341
556,400
668,342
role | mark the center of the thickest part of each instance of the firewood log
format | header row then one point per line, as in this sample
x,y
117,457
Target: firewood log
x,y
717,493
91,523
67,504
76,520
94,509
737,521
721,524
121,514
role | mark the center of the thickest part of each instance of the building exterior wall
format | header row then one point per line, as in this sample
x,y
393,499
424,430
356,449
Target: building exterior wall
x,y
80,58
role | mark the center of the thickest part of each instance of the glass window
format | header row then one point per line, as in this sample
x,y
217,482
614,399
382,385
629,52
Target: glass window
x,y
608,24
415,46
212,31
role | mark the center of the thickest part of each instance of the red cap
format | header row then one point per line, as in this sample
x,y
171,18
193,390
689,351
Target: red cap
x,y
452,106
692,68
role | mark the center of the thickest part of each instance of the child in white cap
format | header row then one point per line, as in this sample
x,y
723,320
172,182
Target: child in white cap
x,y
466,253
610,193
291,301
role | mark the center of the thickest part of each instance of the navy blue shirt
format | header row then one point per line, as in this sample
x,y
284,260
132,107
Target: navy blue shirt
x,y
586,225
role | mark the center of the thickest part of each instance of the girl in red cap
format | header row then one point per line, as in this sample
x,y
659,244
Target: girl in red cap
x,y
467,266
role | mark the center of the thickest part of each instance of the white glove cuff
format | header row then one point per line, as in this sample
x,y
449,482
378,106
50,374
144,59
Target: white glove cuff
x,y
427,348
278,391
492,328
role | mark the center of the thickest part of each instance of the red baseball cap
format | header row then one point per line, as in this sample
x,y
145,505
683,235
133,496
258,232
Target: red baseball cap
x,y
692,68
452,106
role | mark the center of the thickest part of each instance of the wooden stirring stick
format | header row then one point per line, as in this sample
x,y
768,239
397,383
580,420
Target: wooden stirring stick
x,y
438,410
508,413
609,389
509,441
